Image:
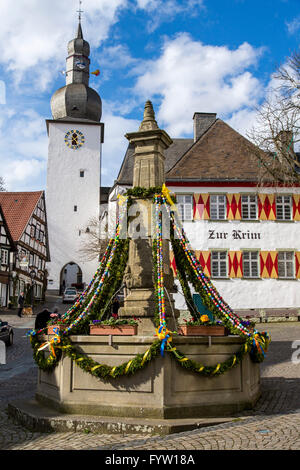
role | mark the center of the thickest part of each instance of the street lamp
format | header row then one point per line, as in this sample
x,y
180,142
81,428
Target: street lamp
x,y
32,276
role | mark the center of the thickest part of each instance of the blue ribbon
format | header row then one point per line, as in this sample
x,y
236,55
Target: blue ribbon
x,y
163,343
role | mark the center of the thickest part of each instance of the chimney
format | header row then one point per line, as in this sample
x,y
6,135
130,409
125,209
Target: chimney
x,y
202,121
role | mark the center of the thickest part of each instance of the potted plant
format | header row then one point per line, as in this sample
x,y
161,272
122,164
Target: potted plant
x,y
202,327
114,326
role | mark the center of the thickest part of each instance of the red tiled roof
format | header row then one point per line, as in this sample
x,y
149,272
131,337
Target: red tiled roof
x,y
17,209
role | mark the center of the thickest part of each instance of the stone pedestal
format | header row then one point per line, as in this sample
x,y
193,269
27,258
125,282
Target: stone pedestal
x,y
162,390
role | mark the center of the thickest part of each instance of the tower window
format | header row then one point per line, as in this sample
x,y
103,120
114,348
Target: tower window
x,y
75,208
81,173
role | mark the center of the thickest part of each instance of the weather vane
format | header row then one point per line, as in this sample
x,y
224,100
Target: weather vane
x,y
79,11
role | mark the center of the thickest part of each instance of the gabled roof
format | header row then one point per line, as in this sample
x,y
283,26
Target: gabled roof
x,y
13,246
172,155
18,208
220,154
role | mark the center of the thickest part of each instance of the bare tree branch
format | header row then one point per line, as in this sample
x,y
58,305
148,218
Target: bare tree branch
x,y
276,134
94,240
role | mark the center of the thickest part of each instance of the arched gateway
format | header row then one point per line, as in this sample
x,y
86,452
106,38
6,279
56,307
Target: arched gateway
x,y
70,276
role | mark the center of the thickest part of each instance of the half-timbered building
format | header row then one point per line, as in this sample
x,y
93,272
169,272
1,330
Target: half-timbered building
x,y
25,213
7,248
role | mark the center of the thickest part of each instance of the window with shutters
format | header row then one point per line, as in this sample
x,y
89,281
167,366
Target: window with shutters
x,y
286,268
217,206
219,264
283,207
249,207
251,264
185,206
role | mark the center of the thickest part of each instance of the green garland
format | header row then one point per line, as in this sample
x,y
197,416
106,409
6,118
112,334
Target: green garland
x,y
210,371
182,261
103,371
47,362
143,193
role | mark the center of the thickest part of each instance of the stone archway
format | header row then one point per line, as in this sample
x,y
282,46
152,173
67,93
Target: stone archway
x,y
70,276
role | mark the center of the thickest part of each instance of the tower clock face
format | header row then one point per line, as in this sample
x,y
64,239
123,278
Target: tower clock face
x,y
74,139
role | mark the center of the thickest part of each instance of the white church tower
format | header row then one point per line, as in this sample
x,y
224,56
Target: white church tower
x,y
74,167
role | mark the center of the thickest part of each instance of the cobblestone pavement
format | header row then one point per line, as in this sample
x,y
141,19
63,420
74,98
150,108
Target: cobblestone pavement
x,y
273,424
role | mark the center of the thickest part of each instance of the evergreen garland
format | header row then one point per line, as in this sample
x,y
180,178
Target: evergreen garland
x,y
111,285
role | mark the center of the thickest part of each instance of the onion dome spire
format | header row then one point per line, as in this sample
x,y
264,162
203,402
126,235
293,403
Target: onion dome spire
x,y
77,99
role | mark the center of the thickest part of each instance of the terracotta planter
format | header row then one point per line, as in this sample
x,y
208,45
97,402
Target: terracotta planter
x,y
202,330
60,327
118,330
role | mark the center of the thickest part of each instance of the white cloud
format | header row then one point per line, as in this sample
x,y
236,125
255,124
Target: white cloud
x,y
293,26
33,32
190,76
23,149
166,10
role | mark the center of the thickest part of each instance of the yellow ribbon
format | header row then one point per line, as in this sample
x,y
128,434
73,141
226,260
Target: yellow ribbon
x,y
121,199
201,369
217,368
56,339
234,360
145,357
164,332
113,370
128,366
166,193
95,367
183,359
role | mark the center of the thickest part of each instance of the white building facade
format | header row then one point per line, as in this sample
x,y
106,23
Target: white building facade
x,y
247,241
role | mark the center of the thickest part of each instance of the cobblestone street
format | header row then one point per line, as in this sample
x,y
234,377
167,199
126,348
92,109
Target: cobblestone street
x,y
273,424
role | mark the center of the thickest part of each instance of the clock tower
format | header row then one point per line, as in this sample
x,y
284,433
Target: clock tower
x,y
74,167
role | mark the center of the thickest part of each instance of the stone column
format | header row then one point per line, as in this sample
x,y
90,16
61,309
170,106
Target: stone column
x,y
149,171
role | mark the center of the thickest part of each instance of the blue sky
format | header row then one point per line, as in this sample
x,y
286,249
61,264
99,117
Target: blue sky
x,y
186,56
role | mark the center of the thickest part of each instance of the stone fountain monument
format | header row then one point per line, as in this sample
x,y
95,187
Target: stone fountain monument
x,y
163,391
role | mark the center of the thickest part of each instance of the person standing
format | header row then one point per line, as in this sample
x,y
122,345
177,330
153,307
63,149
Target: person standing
x,y
42,319
21,301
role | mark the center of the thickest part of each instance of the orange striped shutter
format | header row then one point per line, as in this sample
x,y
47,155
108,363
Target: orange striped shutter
x,y
296,206
204,258
234,209
235,264
297,264
266,207
269,264
201,206
173,263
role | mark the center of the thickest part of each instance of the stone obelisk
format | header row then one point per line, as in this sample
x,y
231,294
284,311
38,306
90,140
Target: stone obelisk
x,y
150,142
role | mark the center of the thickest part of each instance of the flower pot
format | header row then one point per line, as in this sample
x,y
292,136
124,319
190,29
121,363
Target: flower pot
x,y
202,330
117,330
